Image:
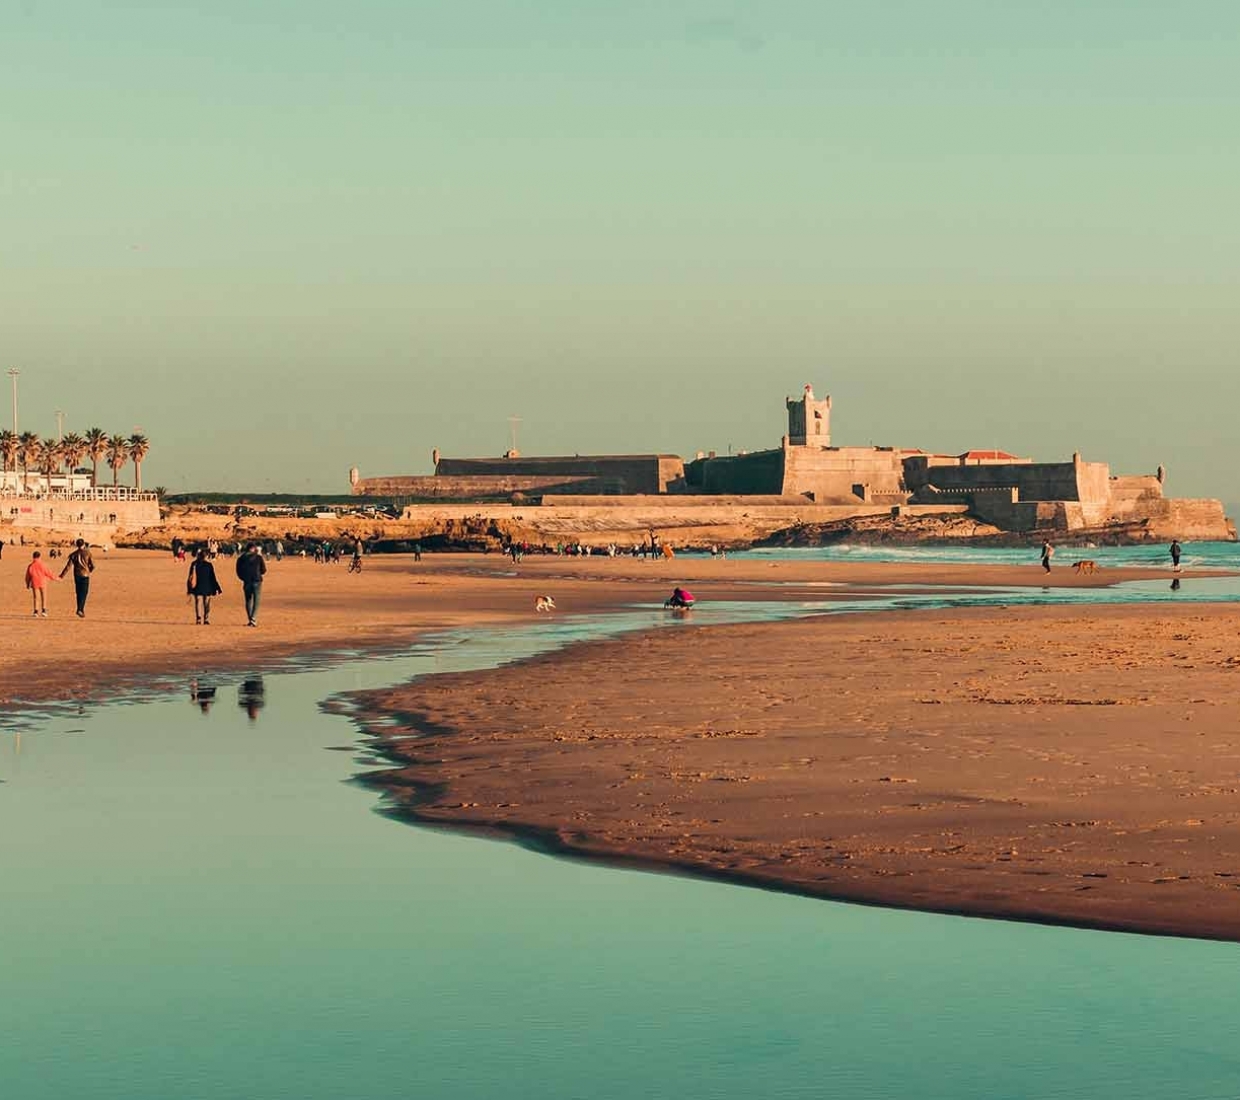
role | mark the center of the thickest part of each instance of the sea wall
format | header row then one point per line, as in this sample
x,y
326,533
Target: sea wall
x,y
682,521
71,515
1154,519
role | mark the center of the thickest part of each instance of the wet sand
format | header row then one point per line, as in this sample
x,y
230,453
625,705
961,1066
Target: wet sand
x,y
140,623
1063,765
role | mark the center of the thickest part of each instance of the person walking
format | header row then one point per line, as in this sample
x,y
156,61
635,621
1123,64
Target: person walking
x,y
1048,552
83,565
250,571
1176,551
38,576
203,585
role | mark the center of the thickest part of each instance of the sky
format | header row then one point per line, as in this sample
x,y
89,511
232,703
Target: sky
x,y
286,237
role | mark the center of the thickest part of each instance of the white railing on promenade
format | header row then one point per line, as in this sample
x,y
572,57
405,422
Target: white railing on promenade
x,y
111,494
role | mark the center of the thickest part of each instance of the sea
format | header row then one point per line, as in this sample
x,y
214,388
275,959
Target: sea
x,y
200,901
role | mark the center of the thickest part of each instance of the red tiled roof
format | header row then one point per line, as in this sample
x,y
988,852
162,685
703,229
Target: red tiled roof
x,y
990,456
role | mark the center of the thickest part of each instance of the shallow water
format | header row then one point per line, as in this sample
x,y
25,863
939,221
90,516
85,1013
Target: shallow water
x,y
1197,555
197,903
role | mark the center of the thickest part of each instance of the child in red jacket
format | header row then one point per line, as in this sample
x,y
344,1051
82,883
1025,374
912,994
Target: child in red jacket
x,y
37,576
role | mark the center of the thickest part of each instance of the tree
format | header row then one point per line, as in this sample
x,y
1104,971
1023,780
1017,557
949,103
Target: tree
x,y
8,449
118,455
47,458
139,445
74,447
28,454
96,450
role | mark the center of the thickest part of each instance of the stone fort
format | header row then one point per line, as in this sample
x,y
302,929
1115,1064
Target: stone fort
x,y
1013,493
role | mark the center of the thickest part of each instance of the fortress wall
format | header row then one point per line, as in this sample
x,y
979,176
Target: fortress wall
x,y
758,474
1035,481
1126,491
466,488
671,501
611,473
956,460
1003,510
1093,482
1155,519
832,473
1186,518
671,474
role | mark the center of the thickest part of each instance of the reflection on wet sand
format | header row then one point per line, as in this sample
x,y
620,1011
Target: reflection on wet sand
x,y
202,695
251,698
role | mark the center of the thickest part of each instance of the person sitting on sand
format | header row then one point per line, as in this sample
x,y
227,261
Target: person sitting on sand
x,y
680,597
37,577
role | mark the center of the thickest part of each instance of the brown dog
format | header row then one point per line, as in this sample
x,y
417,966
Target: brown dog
x,y
1085,566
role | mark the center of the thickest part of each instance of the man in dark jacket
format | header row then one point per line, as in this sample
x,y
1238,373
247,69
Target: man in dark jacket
x,y
83,565
250,570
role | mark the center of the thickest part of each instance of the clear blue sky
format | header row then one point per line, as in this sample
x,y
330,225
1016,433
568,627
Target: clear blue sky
x,y
286,237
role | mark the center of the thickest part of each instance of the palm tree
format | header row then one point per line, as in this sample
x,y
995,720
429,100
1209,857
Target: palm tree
x,y
139,445
96,449
118,455
75,450
28,454
8,449
46,457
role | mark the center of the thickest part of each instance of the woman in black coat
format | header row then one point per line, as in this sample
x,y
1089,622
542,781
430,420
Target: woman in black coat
x,y
202,585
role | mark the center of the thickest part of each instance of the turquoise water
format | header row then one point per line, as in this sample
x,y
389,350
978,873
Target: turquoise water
x,y
197,902
1197,555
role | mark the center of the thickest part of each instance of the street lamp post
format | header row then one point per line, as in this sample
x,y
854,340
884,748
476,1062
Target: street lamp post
x,y
13,373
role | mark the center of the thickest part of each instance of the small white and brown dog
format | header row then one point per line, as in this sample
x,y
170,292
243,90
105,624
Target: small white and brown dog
x,y
544,603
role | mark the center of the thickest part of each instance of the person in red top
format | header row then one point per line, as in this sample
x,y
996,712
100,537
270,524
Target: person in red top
x,y
37,577
680,598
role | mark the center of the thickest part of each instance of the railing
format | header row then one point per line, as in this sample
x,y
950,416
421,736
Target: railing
x,y
111,494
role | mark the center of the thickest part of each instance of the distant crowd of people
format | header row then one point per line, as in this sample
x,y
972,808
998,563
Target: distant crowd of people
x,y
202,582
654,548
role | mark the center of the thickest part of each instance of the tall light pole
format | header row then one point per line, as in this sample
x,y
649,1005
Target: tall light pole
x,y
513,423
13,373
60,426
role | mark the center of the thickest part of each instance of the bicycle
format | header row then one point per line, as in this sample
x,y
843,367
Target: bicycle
x,y
355,566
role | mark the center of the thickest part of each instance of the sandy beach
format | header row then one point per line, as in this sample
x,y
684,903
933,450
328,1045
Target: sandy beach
x,y
140,622
1077,765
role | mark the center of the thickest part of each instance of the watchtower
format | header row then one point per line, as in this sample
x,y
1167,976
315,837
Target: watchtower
x,y
809,420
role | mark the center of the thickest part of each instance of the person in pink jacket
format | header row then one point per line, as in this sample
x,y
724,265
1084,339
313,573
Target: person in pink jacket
x,y
37,577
